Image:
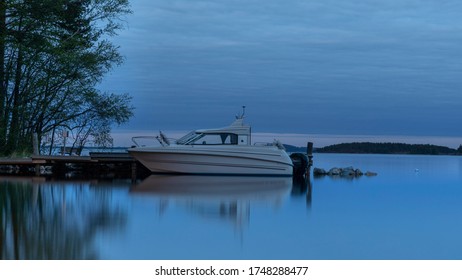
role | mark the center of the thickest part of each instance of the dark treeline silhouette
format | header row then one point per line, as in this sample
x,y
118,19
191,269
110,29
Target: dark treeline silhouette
x,y
389,148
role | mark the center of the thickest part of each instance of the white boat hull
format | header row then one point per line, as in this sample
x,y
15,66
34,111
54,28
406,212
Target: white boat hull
x,y
222,160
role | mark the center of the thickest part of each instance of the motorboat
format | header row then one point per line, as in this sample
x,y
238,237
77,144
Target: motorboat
x,y
219,151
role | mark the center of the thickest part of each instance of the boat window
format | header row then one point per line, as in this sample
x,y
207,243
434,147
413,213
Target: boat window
x,y
216,139
233,138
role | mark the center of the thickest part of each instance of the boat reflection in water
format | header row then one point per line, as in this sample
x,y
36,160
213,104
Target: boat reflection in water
x,y
226,198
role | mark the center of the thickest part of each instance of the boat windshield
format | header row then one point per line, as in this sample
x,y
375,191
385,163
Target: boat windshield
x,y
209,139
187,138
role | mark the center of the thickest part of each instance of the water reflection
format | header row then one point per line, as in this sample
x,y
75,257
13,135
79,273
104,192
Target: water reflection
x,y
226,198
53,220
301,186
62,219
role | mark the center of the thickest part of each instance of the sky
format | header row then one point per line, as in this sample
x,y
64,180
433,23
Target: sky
x,y
325,71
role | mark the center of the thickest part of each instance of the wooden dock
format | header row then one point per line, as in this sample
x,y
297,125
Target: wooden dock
x,y
58,164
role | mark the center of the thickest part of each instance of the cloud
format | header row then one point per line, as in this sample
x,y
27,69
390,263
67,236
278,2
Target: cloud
x,y
359,66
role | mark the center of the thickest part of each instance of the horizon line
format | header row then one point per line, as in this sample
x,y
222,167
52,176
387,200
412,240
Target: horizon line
x,y
300,139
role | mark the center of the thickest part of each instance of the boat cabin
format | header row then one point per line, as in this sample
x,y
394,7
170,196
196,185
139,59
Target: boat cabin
x,y
236,134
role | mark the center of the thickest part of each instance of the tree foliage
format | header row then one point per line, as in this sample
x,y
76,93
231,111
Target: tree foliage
x,y
53,54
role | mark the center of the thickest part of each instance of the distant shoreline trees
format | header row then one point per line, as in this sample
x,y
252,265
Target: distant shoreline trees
x,y
53,53
389,148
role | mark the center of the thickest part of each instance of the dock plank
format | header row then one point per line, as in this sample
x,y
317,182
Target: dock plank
x,y
94,161
15,161
63,159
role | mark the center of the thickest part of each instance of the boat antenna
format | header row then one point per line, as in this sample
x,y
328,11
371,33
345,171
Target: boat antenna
x,y
243,113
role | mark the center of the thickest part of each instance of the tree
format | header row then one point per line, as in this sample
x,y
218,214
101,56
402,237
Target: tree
x,y
55,52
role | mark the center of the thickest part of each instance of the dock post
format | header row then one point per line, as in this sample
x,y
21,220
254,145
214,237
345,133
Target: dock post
x,y
309,153
133,171
36,151
35,144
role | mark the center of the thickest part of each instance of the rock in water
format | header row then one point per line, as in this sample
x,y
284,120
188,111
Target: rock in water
x,y
347,171
342,172
334,171
319,171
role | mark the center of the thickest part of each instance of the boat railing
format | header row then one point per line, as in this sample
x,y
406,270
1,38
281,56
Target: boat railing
x,y
161,138
276,143
263,144
140,141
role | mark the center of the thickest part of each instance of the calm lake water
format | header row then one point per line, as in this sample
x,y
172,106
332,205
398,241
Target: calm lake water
x,y
411,210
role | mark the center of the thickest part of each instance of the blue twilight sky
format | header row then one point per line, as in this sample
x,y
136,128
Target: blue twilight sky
x,y
322,67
